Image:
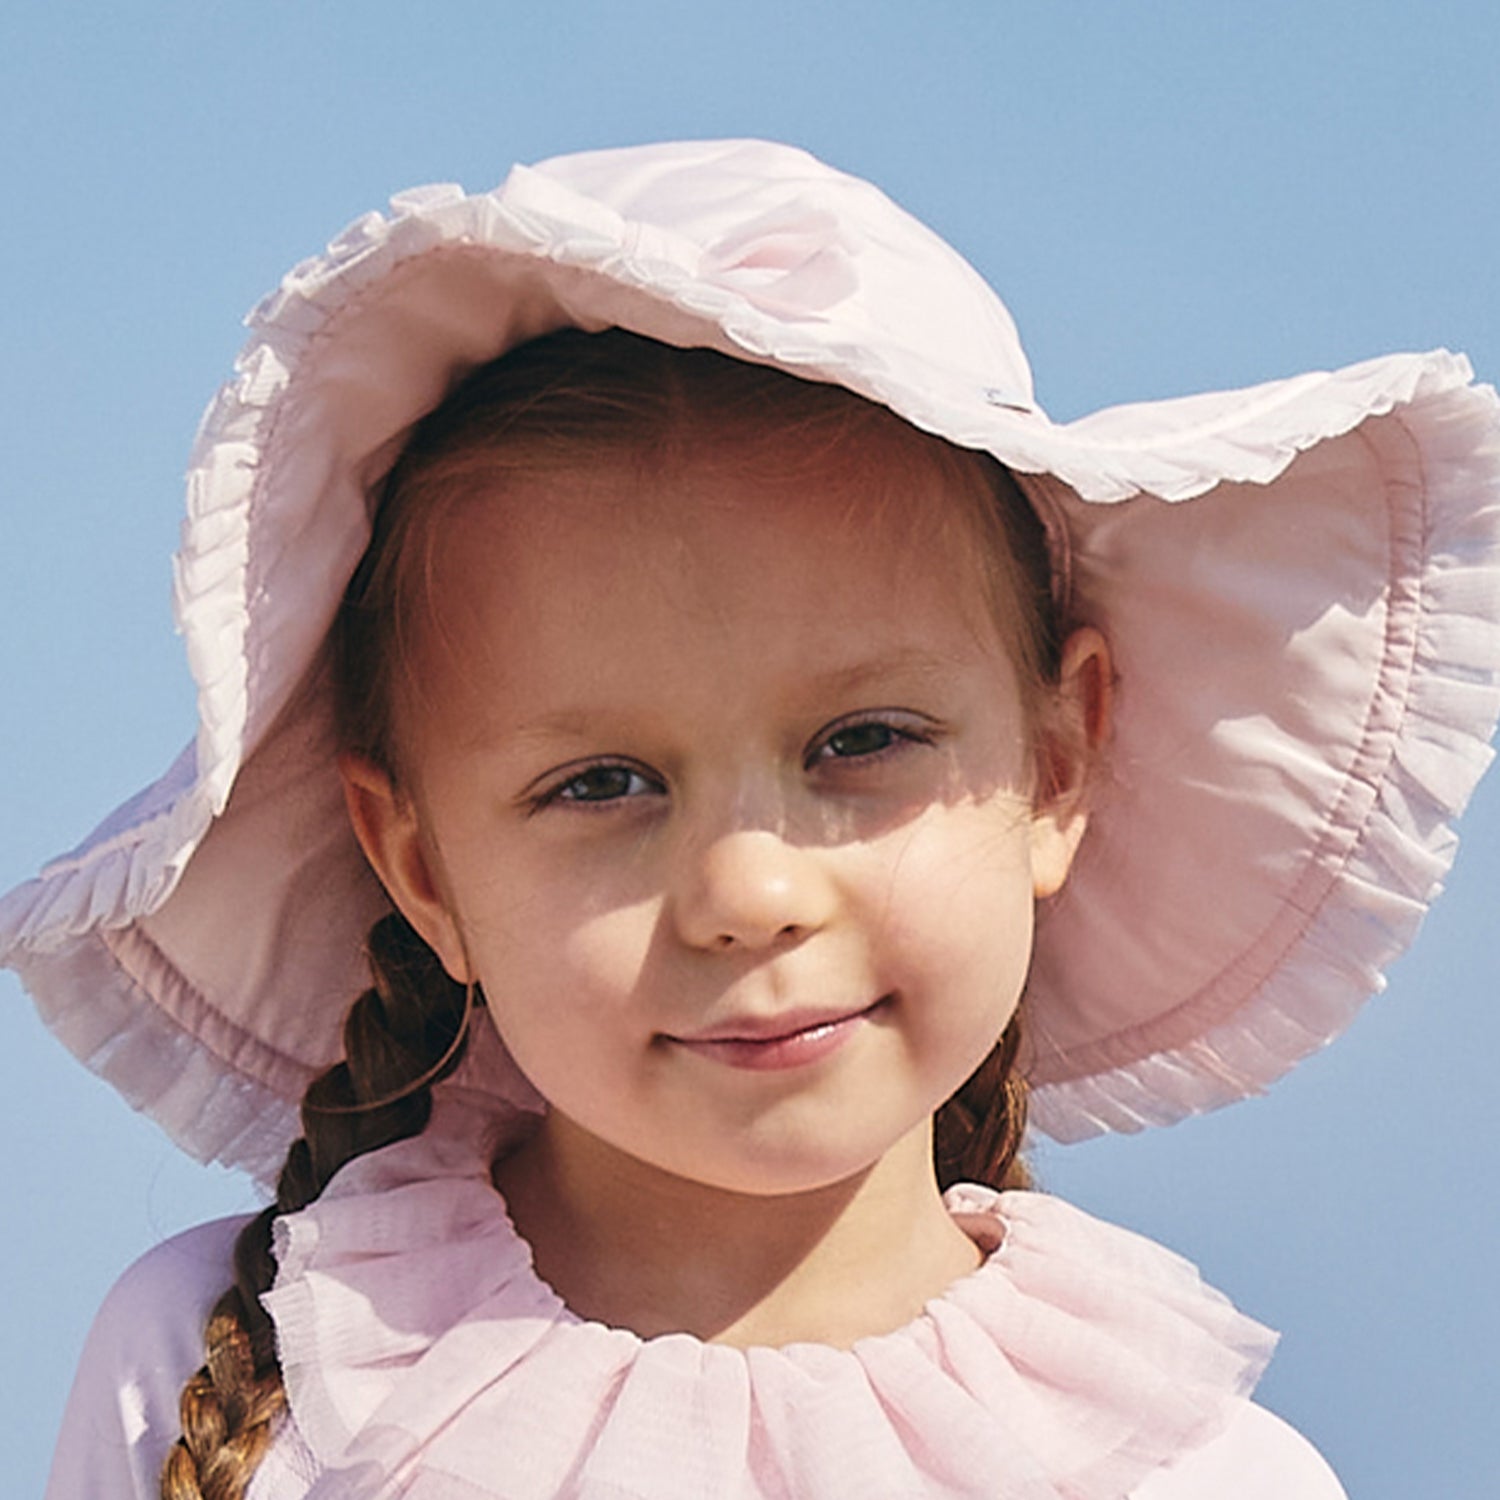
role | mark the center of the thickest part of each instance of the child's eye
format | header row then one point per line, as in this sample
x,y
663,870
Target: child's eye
x,y
608,782
860,739
865,739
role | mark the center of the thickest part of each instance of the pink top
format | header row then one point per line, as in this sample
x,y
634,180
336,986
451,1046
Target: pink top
x,y
425,1358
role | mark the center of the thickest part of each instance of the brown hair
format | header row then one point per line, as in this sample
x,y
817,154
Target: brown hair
x,y
550,405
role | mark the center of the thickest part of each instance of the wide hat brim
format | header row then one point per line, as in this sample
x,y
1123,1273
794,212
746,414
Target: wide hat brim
x,y
1300,583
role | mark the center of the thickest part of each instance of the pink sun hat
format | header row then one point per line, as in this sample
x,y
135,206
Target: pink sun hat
x,y
1300,583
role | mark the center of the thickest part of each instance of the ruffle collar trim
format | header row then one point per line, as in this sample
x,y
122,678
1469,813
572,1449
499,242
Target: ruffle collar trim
x,y
425,1358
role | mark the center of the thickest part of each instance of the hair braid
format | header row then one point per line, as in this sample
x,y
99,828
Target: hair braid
x,y
977,1134
402,1035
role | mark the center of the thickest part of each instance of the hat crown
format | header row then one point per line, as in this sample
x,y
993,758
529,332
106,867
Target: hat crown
x,y
804,241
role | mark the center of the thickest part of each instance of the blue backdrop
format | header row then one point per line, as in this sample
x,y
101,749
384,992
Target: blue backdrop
x,y
1171,197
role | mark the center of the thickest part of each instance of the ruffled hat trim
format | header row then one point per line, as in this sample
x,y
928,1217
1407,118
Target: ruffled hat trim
x,y
1353,850
424,1358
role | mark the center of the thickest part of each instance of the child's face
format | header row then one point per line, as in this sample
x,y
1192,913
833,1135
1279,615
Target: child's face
x,y
721,786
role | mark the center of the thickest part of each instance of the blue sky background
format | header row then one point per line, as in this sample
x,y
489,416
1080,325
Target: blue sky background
x,y
1170,196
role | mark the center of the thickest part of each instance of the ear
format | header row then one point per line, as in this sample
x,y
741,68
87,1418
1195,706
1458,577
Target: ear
x,y
389,830
1082,718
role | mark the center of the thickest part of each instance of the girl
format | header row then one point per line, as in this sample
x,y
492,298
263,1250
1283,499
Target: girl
x,y
643,621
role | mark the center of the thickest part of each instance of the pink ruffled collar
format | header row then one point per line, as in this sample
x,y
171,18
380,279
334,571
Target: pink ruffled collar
x,y
425,1358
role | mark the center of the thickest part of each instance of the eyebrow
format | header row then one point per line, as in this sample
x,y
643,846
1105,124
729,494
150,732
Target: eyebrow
x,y
836,682
906,662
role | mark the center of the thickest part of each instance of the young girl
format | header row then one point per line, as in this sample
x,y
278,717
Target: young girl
x,y
648,634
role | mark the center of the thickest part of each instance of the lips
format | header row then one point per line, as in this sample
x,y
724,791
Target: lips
x,y
787,1040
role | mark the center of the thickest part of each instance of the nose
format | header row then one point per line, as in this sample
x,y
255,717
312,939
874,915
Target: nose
x,y
751,889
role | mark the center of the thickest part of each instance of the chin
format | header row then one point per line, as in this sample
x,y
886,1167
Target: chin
x,y
786,1169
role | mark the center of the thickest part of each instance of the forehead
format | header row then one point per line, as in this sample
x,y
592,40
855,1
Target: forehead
x,y
695,532
719,572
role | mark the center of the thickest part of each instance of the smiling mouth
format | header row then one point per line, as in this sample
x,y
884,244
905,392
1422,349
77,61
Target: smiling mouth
x,y
776,1042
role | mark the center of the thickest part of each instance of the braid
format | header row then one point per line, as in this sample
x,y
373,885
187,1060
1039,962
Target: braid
x,y
977,1134
402,1035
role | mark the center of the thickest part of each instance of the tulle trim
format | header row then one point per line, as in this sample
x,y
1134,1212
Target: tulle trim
x,y
212,1105
424,1357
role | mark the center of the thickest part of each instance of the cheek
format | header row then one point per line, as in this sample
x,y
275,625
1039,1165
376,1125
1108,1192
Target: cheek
x,y
597,959
958,862
533,914
959,919
552,976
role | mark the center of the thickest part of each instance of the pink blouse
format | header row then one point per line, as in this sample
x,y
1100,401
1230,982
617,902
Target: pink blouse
x,y
425,1358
